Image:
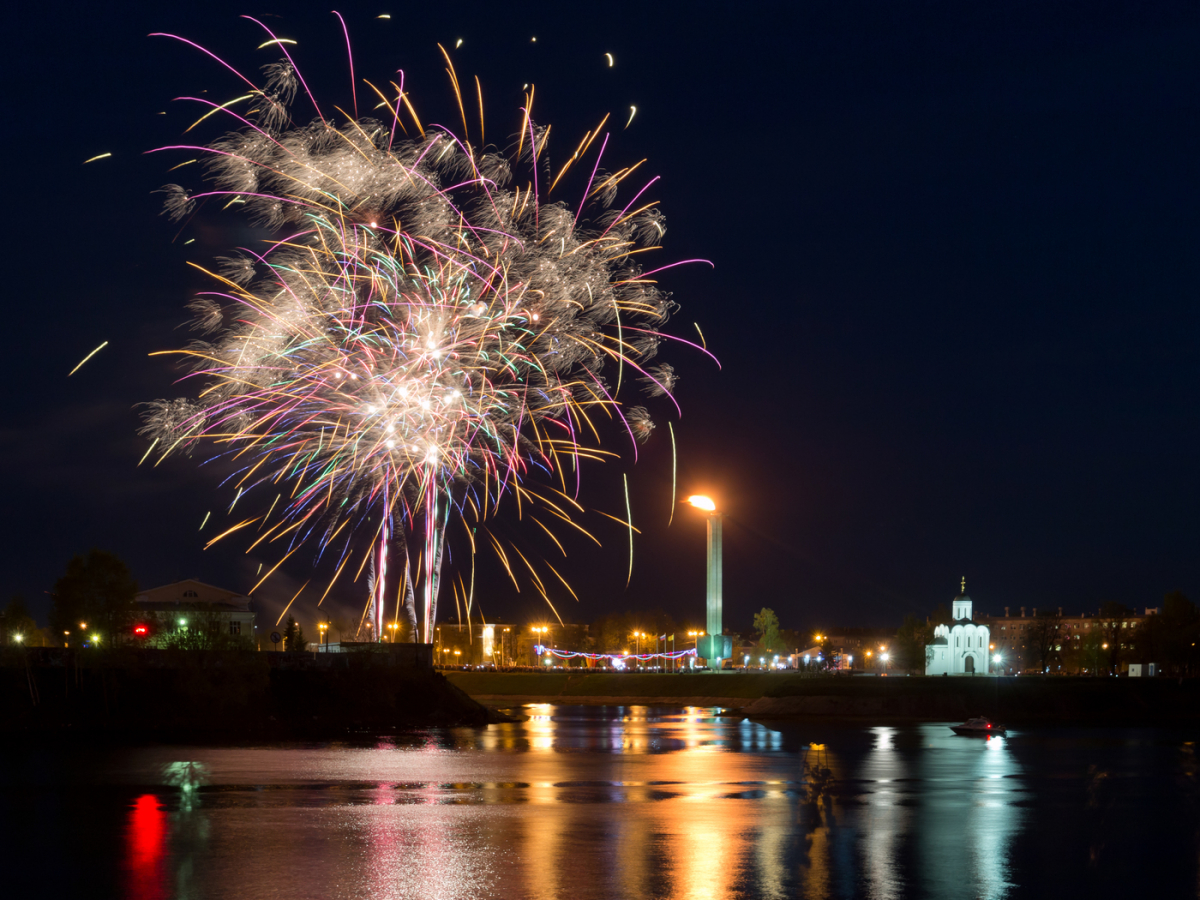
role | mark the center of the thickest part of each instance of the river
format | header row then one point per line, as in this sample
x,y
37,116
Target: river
x,y
612,802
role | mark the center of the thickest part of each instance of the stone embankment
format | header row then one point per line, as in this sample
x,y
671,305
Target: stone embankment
x,y
161,694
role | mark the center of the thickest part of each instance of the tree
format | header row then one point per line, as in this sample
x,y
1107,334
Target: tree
x,y
293,636
766,623
196,630
611,633
18,621
97,589
911,640
1044,639
941,616
1169,638
1114,630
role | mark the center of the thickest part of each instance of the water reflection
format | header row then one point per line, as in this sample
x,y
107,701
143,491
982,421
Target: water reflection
x,y
164,843
887,818
639,802
970,826
146,836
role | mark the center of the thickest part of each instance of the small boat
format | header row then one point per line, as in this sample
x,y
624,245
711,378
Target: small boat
x,y
981,726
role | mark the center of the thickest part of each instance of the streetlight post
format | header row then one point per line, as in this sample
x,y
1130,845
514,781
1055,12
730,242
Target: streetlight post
x,y
714,646
542,632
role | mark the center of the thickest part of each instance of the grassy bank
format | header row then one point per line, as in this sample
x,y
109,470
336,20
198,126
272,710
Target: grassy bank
x,y
1023,699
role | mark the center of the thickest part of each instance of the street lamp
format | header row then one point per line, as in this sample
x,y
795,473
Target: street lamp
x,y
543,631
637,645
323,627
714,646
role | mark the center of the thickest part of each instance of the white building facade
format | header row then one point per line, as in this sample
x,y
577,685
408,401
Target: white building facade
x,y
961,648
190,603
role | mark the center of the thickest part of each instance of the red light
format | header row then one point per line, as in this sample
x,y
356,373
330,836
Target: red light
x,y
141,630
989,724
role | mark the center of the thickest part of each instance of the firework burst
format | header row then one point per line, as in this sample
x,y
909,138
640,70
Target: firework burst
x,y
424,331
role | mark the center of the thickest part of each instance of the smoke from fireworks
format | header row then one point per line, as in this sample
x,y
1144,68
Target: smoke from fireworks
x,y
425,330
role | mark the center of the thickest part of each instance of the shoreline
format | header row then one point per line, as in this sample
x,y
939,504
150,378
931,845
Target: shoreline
x,y
1012,700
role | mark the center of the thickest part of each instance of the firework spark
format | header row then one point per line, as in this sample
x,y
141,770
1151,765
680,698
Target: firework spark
x,y
86,358
425,333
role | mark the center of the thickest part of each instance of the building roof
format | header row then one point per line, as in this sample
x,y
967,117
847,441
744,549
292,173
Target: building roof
x,y
191,594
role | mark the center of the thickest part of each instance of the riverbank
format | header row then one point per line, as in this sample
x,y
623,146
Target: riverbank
x,y
165,695
765,695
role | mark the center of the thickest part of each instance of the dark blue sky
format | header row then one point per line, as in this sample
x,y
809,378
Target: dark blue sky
x,y
955,289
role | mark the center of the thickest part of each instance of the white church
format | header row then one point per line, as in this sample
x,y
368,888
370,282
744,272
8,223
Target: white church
x,y
961,648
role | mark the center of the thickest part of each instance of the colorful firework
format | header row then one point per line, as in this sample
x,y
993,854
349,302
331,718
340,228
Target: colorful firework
x,y
424,332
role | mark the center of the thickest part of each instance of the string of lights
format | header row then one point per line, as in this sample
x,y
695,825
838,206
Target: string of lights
x,y
614,657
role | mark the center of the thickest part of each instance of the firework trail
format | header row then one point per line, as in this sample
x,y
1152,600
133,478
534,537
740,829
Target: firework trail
x,y
424,332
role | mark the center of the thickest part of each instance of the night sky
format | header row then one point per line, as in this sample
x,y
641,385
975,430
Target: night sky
x,y
954,294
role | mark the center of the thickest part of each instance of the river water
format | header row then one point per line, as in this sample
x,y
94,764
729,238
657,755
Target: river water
x,y
613,802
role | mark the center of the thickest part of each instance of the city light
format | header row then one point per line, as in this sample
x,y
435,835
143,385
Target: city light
x,y
701,502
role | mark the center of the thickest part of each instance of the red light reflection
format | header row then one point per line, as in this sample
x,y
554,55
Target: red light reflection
x,y
145,848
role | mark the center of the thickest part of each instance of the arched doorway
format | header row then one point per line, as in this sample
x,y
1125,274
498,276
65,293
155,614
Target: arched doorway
x,y
969,664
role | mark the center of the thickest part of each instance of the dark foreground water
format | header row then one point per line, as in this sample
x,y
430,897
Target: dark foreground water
x,y
585,802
